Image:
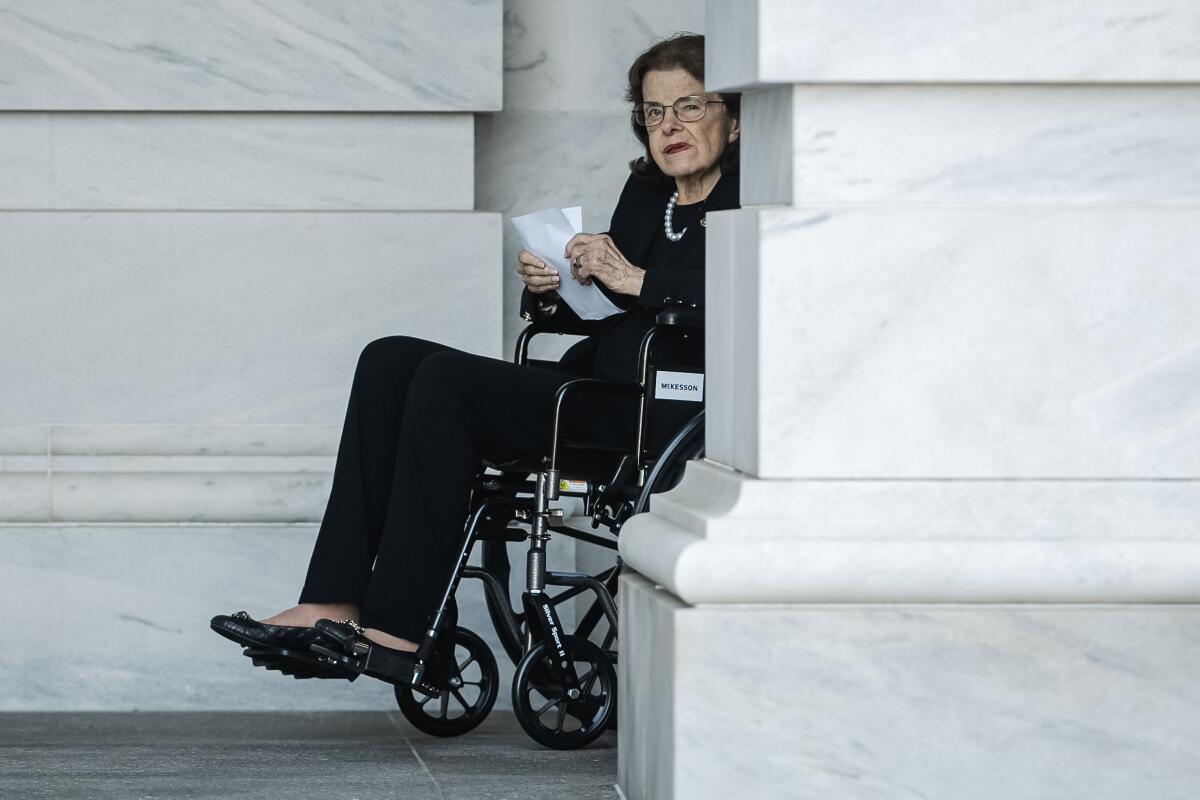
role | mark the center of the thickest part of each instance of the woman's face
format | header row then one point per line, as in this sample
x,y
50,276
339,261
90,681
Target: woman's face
x,y
705,139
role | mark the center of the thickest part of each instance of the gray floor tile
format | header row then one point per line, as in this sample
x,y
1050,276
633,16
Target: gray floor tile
x,y
342,755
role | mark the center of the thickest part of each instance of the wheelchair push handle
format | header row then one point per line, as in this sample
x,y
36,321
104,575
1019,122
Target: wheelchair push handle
x,y
681,316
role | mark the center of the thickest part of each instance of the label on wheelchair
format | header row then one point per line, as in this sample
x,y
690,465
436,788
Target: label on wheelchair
x,y
575,487
679,386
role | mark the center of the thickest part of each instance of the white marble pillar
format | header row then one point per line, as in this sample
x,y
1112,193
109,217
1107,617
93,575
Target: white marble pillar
x,y
946,543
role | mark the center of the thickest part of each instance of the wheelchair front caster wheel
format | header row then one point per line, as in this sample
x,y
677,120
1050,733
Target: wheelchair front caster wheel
x,y
542,706
474,684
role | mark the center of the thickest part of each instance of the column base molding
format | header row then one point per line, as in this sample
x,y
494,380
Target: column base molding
x,y
725,537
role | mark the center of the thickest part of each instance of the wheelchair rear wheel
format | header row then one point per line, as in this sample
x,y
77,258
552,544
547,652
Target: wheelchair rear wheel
x,y
667,472
475,683
543,708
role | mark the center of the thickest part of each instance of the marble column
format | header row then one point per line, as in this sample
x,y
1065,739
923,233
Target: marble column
x,y
946,540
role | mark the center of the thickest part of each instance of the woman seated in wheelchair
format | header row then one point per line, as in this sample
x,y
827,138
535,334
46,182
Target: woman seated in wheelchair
x,y
423,417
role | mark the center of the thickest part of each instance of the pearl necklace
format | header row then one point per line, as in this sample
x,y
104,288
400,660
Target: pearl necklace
x,y
671,234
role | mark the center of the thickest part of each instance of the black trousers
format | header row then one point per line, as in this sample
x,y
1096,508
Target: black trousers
x,y
421,417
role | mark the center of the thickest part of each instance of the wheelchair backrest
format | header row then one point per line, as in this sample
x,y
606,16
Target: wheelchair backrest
x,y
674,389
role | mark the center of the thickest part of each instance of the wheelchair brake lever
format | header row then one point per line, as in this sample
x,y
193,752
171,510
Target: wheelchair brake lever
x,y
613,521
614,495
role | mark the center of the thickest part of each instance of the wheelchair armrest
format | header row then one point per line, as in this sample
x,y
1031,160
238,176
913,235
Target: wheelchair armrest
x,y
564,324
586,386
597,386
575,327
681,316
551,314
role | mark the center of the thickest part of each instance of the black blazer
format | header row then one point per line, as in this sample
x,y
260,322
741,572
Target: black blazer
x,y
611,347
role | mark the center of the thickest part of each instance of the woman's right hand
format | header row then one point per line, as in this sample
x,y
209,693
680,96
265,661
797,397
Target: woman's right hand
x,y
538,278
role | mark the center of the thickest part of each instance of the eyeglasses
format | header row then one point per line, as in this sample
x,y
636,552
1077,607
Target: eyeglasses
x,y
687,109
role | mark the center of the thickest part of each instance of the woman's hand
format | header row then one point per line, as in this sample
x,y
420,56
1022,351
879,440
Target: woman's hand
x,y
538,278
593,255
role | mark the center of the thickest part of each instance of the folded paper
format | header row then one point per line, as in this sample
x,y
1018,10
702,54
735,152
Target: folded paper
x,y
545,234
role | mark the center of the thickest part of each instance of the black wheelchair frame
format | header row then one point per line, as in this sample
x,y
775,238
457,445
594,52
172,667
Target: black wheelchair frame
x,y
567,673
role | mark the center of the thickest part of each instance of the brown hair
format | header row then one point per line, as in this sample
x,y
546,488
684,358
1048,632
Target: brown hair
x,y
682,51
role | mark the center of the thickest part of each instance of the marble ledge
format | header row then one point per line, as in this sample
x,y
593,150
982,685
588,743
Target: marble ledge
x,y
725,538
289,55
239,161
282,495
968,144
191,439
715,502
164,488
24,439
761,42
121,463
24,495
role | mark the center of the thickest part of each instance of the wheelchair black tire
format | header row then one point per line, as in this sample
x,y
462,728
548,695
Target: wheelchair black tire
x,y
414,706
592,711
686,445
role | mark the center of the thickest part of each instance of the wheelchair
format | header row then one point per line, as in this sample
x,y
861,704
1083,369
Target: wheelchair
x,y
564,690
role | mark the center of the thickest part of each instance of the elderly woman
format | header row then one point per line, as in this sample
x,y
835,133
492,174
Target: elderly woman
x,y
422,416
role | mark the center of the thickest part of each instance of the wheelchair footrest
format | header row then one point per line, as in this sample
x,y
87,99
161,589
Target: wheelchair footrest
x,y
387,665
298,664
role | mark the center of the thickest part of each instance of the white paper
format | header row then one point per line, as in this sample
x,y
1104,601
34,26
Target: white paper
x,y
546,234
574,215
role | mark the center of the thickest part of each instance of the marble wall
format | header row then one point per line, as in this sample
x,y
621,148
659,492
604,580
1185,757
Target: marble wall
x,y
201,231
170,263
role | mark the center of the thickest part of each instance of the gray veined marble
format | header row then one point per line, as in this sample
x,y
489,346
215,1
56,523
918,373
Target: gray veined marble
x,y
987,702
925,340
24,439
101,587
243,161
1013,144
229,317
192,439
723,537
282,55
574,56
166,472
149,489
24,495
945,540
930,41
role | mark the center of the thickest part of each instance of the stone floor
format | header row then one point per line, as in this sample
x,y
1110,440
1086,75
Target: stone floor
x,y
339,755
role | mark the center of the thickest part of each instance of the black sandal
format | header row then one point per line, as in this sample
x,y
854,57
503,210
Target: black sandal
x,y
240,627
279,648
